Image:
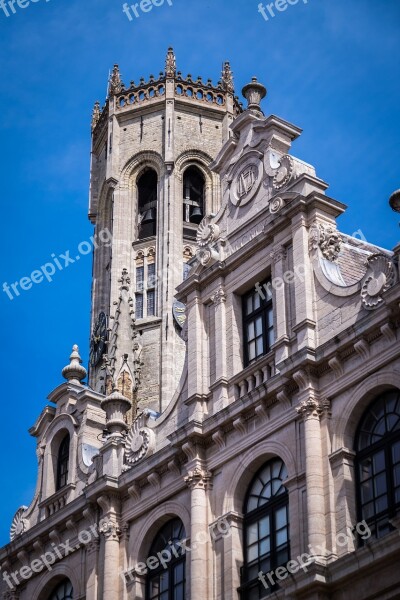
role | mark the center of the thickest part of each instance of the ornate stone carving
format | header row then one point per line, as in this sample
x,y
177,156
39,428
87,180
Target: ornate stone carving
x,y
199,478
278,253
207,233
115,85
170,63
246,180
19,524
227,78
380,277
95,114
219,296
276,204
139,443
284,173
330,242
110,529
313,407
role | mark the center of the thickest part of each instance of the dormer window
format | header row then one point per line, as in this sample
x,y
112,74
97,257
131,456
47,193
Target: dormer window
x,y
63,463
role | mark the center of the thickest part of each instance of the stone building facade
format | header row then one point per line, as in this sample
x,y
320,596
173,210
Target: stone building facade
x,y
240,434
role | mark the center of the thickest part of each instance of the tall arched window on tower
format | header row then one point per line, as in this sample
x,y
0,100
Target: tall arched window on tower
x,y
63,463
63,591
378,463
147,203
193,200
169,582
266,530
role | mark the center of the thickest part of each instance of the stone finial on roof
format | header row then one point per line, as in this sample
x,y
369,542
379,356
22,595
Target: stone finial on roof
x,y
254,92
115,84
74,372
394,201
170,63
227,77
95,114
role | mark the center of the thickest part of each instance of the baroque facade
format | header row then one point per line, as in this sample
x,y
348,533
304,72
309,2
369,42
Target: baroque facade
x,y
239,437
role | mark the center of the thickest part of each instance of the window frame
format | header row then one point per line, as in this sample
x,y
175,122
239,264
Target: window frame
x,y
266,307
385,445
63,462
172,564
254,516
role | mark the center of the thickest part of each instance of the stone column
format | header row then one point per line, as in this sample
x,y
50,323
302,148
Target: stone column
x,y
111,531
199,481
92,553
342,465
228,551
278,256
221,392
303,285
311,410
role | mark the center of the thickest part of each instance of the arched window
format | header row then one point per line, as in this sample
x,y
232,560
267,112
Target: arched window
x,y
266,529
63,463
193,199
63,591
147,203
378,463
168,581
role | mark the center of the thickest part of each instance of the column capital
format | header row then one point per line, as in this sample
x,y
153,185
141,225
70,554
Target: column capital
x,y
313,407
219,296
110,529
278,253
199,478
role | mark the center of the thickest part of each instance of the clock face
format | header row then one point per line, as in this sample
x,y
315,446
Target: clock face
x,y
98,341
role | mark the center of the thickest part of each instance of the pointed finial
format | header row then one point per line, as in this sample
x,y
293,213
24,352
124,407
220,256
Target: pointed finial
x,y
95,114
115,84
170,63
74,372
254,92
227,77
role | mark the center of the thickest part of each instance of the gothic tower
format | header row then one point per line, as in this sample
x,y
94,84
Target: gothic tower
x,y
151,185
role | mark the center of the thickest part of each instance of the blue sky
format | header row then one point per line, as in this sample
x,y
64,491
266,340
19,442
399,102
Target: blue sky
x,y
331,67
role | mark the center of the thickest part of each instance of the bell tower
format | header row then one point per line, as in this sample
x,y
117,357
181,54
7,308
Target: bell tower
x,y
150,187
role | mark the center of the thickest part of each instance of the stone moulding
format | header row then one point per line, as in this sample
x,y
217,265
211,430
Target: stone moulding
x,y
19,523
325,245
140,441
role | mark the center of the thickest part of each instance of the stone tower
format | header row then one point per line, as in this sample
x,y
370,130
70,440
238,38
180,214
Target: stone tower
x,y
150,186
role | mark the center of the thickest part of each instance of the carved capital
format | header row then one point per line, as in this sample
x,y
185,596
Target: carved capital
x,y
110,529
278,253
218,297
313,408
199,479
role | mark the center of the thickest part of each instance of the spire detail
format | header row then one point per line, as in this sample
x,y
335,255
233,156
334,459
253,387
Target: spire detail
x,y
95,114
227,77
170,63
115,84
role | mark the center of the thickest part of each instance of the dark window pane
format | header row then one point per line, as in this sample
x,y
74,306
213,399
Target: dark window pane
x,y
151,303
139,306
